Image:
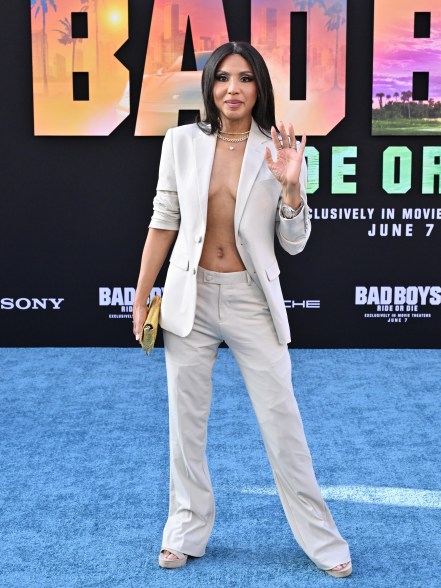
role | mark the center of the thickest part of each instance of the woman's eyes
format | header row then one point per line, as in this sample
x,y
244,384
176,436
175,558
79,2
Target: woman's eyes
x,y
224,78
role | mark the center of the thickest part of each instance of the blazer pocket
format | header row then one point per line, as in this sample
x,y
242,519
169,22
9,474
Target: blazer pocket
x,y
272,271
180,259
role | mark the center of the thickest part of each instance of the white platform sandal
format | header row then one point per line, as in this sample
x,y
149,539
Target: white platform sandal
x,y
172,563
343,573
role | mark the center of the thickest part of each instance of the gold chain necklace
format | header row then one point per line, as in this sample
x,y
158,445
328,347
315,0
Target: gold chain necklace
x,y
226,133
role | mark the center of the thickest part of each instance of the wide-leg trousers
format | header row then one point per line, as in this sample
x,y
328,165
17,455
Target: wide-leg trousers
x,y
232,308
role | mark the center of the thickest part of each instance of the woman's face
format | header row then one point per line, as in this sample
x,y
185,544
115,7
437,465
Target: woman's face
x,y
234,90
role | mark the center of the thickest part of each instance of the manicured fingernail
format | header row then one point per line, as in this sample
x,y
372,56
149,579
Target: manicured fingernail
x,y
137,337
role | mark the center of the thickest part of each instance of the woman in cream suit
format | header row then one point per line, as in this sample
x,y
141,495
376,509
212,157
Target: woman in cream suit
x,y
225,186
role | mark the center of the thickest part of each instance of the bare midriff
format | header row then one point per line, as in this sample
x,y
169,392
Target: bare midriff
x,y
220,253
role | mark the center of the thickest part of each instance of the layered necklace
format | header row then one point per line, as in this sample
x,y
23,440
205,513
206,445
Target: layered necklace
x,y
243,137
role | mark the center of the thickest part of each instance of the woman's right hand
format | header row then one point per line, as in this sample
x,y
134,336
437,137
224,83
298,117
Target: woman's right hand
x,y
156,248
139,316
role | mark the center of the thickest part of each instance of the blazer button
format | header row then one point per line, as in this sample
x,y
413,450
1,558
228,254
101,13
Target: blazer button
x,y
198,239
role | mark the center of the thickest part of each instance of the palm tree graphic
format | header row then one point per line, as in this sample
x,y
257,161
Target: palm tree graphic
x,y
43,5
380,97
66,36
405,97
336,20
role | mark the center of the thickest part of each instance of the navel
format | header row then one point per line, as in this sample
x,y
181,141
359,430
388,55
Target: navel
x,y
220,252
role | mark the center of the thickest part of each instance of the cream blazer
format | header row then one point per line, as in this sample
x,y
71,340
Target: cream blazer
x,y
181,204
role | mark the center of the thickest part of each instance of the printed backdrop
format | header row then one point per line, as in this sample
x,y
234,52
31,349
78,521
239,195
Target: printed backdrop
x,y
91,86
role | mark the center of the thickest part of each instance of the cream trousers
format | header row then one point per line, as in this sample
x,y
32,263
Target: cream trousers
x,y
232,308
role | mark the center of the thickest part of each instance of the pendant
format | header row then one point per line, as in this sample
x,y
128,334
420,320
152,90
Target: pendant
x,y
231,148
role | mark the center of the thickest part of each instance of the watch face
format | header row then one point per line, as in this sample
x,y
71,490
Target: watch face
x,y
287,212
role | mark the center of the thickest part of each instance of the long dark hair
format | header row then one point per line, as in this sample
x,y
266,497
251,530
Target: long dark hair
x,y
263,111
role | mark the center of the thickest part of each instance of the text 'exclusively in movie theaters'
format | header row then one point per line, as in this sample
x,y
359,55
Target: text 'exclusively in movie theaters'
x,y
385,222
398,304
120,300
31,303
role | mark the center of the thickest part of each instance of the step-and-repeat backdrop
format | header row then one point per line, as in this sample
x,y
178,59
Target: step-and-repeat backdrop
x,y
89,89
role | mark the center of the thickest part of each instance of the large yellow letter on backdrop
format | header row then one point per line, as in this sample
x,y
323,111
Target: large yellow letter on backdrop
x,y
78,82
324,106
166,89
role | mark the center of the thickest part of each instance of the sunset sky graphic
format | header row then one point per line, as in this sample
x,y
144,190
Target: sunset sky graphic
x,y
397,54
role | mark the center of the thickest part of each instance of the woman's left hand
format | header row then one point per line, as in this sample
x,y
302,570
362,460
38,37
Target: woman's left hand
x,y
286,168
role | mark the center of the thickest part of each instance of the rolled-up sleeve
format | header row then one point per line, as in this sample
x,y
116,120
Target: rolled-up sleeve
x,y
294,233
166,211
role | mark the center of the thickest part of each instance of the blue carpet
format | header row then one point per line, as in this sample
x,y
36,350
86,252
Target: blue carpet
x,y
84,471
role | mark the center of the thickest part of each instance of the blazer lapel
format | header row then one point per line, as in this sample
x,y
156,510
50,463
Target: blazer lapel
x,y
204,148
252,162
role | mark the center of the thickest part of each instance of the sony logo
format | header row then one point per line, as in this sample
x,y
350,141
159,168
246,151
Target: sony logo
x,y
31,303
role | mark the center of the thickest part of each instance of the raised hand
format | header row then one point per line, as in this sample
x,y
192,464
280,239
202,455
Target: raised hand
x,y
286,168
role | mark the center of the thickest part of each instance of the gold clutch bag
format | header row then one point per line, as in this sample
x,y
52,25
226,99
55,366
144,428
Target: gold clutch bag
x,y
150,327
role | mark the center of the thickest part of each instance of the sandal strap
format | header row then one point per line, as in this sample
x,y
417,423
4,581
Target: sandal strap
x,y
178,554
